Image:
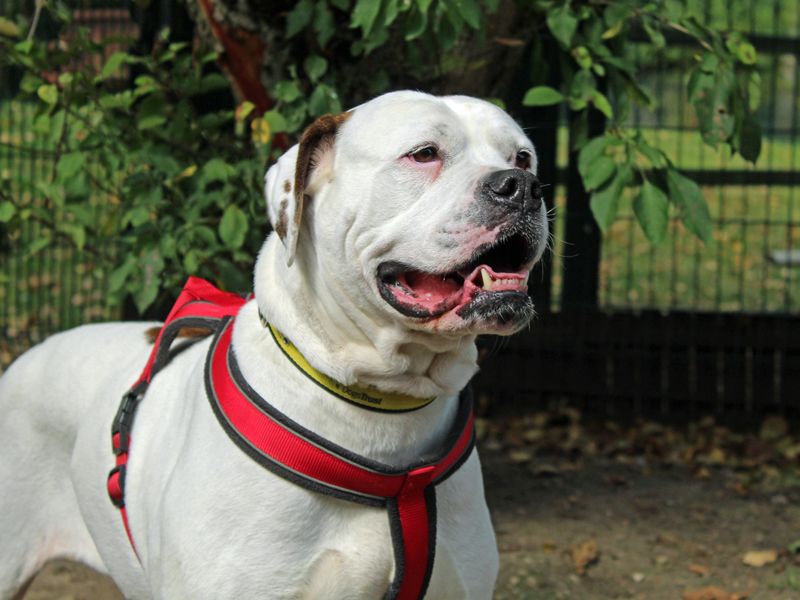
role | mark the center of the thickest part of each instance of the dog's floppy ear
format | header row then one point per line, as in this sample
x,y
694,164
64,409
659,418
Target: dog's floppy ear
x,y
296,175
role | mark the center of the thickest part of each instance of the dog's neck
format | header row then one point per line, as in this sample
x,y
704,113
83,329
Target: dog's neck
x,y
351,342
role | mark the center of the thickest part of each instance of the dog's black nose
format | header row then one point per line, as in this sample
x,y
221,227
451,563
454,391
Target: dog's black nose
x,y
514,188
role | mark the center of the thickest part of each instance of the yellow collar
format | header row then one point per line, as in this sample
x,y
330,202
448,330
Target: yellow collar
x,y
366,397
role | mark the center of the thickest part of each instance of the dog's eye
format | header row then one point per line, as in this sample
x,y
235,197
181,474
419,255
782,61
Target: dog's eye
x,y
523,160
426,154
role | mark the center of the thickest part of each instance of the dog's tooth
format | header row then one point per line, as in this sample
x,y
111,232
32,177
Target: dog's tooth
x,y
487,279
525,281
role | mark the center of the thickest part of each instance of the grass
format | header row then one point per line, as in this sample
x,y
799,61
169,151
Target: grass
x,y
732,272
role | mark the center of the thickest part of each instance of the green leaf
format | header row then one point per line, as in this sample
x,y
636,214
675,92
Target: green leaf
x,y
592,151
654,155
324,24
7,211
469,11
151,266
583,57
137,216
119,276
602,104
542,95
562,23
685,194
709,63
123,100
315,67
299,18
651,26
753,91
579,130
750,138
605,201
598,172
287,91
391,8
168,246
277,123
70,164
8,28
447,34
582,89
613,31
24,47
746,53
114,62
212,82
215,169
76,233
651,208
151,121
674,9
191,262
364,15
38,244
416,24
48,93
233,227
151,111
324,100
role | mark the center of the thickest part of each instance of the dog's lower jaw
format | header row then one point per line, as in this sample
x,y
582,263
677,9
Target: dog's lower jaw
x,y
340,339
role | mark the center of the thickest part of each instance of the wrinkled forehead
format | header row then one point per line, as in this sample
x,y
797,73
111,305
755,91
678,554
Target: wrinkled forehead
x,y
393,124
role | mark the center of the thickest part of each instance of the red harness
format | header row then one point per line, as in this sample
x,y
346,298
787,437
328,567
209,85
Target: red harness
x,y
295,453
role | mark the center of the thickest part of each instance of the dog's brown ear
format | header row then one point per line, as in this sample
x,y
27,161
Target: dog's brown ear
x,y
296,176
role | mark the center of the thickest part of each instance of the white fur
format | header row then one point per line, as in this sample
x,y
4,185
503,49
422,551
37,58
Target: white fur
x,y
208,521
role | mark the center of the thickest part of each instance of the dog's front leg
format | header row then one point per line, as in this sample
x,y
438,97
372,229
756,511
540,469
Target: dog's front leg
x,y
334,575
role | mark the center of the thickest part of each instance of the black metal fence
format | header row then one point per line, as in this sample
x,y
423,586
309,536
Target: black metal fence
x,y
625,328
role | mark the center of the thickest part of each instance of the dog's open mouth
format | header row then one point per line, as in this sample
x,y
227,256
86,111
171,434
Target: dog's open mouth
x,y
496,274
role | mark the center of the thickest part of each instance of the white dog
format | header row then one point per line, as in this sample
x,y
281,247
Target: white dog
x,y
404,228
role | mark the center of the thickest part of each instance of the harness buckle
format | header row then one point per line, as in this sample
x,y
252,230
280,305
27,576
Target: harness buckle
x,y
121,428
115,484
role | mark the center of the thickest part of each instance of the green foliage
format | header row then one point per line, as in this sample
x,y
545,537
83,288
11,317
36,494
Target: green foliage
x,y
723,87
153,188
147,182
334,35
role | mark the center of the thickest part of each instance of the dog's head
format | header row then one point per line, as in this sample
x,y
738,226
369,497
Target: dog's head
x,y
426,209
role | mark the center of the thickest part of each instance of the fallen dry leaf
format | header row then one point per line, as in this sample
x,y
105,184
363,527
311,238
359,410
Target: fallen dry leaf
x,y
481,429
773,428
520,456
759,558
583,555
545,470
701,570
711,593
667,539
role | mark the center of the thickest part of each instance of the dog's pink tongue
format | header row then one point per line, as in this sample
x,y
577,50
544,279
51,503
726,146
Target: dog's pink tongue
x,y
431,287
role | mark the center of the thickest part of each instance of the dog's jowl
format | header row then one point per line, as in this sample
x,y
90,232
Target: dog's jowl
x,y
318,442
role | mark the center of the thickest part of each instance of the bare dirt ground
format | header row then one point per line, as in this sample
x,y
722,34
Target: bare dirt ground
x,y
602,512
